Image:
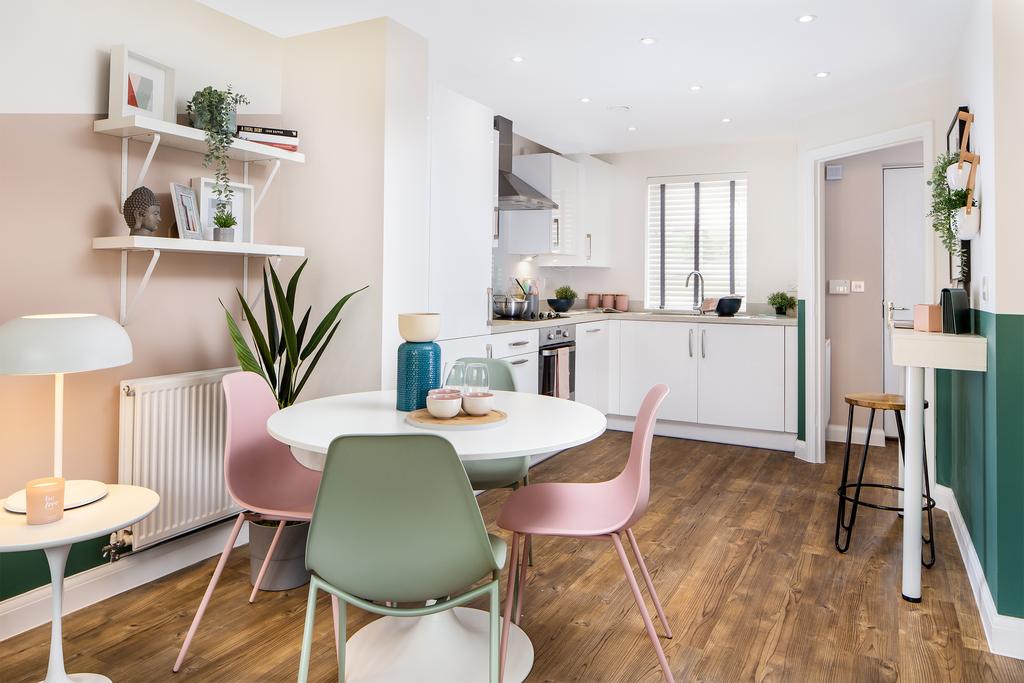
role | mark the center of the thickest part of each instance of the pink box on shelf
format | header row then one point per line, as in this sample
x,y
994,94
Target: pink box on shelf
x,y
928,318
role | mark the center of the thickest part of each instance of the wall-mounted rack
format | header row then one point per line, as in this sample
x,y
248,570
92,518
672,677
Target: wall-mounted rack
x,y
970,157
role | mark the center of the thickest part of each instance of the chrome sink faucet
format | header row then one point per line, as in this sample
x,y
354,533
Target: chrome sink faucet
x,y
698,281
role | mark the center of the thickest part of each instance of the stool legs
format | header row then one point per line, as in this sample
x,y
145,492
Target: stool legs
x,y
841,523
929,539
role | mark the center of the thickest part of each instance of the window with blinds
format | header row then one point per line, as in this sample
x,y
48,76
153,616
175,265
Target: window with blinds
x,y
695,223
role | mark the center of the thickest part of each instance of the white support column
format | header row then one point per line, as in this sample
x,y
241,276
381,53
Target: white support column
x,y
912,482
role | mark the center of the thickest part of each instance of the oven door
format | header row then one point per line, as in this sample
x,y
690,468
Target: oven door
x,y
548,369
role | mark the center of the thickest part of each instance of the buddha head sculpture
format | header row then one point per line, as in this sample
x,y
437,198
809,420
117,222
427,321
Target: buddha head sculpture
x,y
142,212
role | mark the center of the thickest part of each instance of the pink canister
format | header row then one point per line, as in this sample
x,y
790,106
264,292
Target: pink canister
x,y
607,301
593,300
621,302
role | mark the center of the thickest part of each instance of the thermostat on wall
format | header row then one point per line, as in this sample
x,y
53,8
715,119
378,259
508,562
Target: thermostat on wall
x,y
833,171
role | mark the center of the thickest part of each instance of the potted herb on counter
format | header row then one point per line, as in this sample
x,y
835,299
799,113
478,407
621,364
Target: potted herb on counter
x,y
781,302
565,297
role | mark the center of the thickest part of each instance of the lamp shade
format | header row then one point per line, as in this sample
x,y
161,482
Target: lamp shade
x,y
63,342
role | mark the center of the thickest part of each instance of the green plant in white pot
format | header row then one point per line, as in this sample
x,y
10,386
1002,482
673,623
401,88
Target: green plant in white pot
x,y
950,219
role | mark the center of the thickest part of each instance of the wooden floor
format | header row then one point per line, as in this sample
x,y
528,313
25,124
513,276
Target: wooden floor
x,y
740,545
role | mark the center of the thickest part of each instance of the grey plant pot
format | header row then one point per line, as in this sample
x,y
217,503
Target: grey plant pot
x,y
223,234
287,568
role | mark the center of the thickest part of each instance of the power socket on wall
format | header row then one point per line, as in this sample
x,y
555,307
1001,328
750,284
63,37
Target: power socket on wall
x,y
838,286
857,286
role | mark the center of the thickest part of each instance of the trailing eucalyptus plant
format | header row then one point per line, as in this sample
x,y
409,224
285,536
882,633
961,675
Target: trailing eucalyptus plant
x,y
214,111
945,205
284,357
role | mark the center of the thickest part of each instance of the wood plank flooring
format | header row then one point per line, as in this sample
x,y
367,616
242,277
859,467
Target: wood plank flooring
x,y
739,542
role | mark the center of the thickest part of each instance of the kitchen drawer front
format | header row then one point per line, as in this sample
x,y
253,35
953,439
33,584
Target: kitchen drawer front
x,y
514,343
525,371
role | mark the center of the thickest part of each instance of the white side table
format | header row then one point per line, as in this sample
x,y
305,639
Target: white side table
x,y
120,508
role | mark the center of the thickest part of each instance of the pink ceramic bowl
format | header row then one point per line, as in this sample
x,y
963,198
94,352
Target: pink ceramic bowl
x,y
477,402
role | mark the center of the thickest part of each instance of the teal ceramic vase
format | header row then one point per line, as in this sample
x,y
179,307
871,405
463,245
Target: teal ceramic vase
x,y
419,359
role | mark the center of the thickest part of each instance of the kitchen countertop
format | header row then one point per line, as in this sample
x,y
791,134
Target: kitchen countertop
x,y
595,316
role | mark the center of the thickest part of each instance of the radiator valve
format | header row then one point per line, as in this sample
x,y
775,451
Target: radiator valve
x,y
120,543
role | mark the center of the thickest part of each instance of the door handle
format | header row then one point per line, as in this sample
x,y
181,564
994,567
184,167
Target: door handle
x,y
558,235
590,246
520,361
702,344
690,345
519,343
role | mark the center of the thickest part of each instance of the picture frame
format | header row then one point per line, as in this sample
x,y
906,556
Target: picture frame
x,y
242,208
140,85
186,212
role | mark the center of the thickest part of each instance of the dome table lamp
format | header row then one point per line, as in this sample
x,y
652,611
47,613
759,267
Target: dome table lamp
x,y
57,344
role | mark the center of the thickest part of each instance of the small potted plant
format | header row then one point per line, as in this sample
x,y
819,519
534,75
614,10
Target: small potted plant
x,y
565,297
781,302
949,212
216,111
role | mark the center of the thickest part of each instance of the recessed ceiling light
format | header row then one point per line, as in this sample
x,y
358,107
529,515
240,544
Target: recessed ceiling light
x,y
584,100
726,120
647,40
823,74
696,86
632,129
517,59
806,18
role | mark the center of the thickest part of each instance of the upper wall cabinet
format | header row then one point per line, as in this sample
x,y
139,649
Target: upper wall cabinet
x,y
593,224
546,231
462,173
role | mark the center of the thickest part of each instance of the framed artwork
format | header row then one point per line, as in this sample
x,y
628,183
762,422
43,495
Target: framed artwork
x,y
186,212
139,85
242,208
954,138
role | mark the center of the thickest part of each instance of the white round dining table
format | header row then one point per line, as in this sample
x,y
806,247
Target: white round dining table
x,y
452,645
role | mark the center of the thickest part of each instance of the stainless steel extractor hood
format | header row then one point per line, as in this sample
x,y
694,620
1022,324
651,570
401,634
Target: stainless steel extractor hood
x,y
514,194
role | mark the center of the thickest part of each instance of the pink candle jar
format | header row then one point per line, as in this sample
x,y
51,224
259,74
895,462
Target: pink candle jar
x,y
44,500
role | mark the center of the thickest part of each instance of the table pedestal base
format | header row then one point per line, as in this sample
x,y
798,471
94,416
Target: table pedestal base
x,y
442,648
79,678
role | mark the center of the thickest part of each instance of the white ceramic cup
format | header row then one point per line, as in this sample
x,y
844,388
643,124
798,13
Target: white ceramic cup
x,y
419,327
444,406
477,402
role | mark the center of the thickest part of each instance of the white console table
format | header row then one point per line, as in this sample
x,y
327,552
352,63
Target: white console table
x,y
917,351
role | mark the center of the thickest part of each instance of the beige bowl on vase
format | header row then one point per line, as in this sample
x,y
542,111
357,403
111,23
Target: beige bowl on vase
x,y
419,327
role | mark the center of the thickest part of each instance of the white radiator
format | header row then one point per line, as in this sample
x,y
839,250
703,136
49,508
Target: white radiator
x,y
172,441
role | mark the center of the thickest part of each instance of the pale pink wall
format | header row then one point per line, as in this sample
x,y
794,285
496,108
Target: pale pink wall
x,y
59,188
852,210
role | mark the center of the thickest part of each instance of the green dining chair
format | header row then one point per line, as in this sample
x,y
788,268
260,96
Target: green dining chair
x,y
396,521
501,473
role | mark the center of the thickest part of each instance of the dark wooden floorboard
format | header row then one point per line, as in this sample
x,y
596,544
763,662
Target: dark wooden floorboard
x,y
739,542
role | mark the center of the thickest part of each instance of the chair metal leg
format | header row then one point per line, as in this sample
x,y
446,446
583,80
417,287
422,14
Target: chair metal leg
x,y
307,634
860,481
648,581
521,579
903,450
266,561
510,594
339,635
339,625
529,539
841,512
209,590
495,631
648,624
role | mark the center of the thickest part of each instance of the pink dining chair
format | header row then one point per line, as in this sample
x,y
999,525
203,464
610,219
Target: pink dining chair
x,y
605,510
261,474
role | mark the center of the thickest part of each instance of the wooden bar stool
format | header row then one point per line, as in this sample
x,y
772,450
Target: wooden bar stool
x,y
874,402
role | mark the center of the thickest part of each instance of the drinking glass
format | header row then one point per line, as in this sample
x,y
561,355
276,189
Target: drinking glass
x,y
455,375
476,377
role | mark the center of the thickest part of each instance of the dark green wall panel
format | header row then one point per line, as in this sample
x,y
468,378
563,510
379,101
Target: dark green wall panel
x,y
21,572
801,368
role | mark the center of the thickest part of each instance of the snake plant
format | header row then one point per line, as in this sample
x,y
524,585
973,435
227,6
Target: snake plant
x,y
284,357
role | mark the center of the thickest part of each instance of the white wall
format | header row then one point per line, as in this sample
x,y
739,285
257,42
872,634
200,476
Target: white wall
x,y
771,215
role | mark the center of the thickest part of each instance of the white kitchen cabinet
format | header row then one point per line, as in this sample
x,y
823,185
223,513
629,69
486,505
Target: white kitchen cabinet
x,y
742,376
525,371
546,231
466,347
462,177
658,353
592,364
593,225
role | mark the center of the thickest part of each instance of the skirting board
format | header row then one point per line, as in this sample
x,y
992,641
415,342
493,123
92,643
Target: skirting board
x,y
837,433
1005,634
31,609
754,438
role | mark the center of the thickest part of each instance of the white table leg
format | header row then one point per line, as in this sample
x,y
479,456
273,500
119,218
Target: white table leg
x,y
913,474
57,557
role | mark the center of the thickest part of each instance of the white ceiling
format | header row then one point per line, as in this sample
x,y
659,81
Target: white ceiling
x,y
756,62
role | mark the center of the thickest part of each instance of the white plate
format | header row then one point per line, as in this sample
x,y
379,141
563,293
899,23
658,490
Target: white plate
x,y
77,492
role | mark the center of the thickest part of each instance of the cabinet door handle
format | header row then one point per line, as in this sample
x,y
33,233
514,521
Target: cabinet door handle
x,y
519,343
691,344
490,351
702,344
520,361
557,233
593,329
590,246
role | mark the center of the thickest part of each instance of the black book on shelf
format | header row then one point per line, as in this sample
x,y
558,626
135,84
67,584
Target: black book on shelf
x,y
268,131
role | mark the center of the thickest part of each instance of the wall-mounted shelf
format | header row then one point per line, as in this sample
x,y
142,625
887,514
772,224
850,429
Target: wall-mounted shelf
x,y
157,245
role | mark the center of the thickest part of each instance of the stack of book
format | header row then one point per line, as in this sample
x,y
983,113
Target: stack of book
x,y
282,138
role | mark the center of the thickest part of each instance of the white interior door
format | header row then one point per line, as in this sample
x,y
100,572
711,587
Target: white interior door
x,y
903,214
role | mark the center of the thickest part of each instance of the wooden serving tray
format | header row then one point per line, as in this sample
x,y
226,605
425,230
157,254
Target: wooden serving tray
x,y
421,418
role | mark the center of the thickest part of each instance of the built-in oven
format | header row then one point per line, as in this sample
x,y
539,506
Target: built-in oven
x,y
552,341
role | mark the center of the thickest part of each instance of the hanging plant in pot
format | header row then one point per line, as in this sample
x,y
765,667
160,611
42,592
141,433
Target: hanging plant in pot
x,y
949,215
285,356
216,112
